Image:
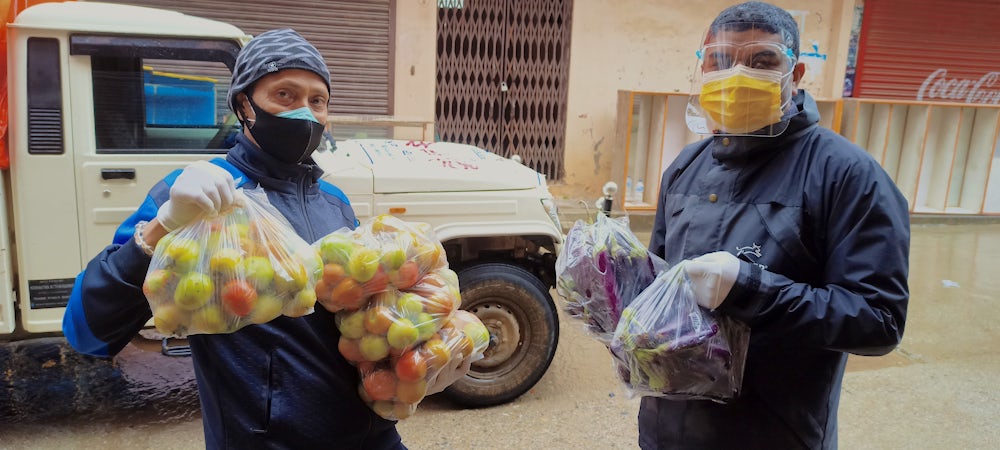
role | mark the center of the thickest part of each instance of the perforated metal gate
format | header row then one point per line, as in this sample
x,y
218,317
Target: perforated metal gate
x,y
502,70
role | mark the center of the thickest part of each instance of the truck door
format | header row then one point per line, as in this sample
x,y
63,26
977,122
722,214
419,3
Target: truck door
x,y
157,105
134,110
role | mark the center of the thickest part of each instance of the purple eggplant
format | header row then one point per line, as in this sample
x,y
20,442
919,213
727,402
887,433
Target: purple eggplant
x,y
670,347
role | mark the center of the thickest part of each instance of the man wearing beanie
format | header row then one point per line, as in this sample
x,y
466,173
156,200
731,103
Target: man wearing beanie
x,y
282,384
785,226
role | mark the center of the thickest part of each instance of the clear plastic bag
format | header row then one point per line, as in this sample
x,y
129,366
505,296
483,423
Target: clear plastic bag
x,y
220,274
382,252
603,266
667,346
393,388
395,321
391,330
384,340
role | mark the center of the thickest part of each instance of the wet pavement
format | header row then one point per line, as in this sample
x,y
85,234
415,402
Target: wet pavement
x,y
46,379
937,390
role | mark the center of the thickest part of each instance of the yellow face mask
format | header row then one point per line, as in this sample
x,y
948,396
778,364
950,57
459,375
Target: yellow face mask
x,y
740,99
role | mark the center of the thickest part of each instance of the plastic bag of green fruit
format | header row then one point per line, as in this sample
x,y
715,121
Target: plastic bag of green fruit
x,y
382,252
222,273
394,387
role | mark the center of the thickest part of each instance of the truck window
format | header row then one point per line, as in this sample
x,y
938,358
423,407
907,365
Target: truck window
x,y
160,96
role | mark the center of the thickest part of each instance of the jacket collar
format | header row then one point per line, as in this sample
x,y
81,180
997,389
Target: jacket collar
x,y
733,149
270,172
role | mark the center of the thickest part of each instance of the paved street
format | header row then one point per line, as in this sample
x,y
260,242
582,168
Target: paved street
x,y
937,391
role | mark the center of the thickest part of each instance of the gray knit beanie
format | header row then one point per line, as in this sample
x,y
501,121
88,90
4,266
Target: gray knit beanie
x,y
270,52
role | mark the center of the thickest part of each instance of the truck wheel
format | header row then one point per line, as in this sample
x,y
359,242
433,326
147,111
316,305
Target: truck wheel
x,y
524,330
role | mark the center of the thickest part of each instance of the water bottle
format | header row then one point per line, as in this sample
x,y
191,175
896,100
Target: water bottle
x,y
639,191
629,193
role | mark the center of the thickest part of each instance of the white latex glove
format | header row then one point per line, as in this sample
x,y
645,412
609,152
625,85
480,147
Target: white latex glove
x,y
202,188
712,276
454,371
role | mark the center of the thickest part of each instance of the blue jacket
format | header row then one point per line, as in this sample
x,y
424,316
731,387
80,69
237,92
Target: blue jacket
x,y
823,234
278,385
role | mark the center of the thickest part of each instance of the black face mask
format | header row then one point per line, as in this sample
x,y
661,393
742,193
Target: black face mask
x,y
286,139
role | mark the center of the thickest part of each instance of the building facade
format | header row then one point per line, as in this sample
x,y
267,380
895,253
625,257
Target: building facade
x,y
541,79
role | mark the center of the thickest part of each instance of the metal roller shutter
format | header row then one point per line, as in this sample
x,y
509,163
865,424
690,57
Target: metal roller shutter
x,y
930,50
355,37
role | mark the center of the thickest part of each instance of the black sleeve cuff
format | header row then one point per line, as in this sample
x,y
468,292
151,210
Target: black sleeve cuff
x,y
743,301
132,263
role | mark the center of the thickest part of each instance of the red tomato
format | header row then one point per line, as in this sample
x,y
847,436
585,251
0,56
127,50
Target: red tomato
x,y
380,385
239,297
412,366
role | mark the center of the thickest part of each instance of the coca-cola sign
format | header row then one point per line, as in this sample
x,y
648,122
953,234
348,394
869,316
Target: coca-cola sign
x,y
939,87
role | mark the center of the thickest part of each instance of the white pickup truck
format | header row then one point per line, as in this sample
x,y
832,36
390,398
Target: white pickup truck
x,y
105,100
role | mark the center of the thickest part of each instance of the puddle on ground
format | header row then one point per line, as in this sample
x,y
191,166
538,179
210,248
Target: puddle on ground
x,y
46,380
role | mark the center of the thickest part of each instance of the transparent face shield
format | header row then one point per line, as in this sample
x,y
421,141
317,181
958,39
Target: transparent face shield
x,y
742,85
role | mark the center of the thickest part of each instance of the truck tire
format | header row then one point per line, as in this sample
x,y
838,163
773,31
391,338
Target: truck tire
x,y
524,330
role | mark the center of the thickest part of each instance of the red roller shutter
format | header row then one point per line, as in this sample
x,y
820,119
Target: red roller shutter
x,y
354,36
930,50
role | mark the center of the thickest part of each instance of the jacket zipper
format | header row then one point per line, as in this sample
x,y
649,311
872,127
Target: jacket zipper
x,y
302,207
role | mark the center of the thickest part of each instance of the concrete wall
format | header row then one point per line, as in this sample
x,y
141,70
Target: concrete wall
x,y
415,66
649,45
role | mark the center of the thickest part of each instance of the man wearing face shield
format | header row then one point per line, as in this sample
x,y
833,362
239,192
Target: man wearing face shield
x,y
781,224
282,384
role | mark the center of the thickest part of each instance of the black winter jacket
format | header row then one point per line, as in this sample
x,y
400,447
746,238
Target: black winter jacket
x,y
822,233
283,384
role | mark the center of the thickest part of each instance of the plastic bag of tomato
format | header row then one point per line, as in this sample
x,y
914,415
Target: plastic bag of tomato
x,y
222,273
396,306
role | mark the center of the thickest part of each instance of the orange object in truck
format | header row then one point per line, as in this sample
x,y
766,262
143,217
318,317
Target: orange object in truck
x,y
11,8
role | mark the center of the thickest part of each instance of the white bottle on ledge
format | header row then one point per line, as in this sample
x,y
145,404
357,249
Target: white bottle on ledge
x,y
640,190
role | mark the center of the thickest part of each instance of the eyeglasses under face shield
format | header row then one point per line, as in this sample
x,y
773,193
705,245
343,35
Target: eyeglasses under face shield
x,y
754,55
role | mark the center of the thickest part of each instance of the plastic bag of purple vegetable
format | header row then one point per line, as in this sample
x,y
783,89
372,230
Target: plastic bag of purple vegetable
x,y
602,267
667,346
